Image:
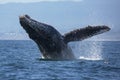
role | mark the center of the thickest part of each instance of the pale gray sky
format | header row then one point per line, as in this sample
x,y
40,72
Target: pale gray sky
x,y
64,15
32,1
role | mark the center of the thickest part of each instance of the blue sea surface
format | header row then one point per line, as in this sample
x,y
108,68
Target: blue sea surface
x,y
96,60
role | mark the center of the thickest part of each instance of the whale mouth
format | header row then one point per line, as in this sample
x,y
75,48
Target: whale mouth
x,y
24,19
27,23
24,16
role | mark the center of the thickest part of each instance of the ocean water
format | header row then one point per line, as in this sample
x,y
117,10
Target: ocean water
x,y
96,60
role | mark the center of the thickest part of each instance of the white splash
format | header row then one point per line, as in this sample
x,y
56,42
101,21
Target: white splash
x,y
90,58
88,50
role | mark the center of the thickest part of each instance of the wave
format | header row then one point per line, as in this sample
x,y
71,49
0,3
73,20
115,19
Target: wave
x,y
90,58
88,50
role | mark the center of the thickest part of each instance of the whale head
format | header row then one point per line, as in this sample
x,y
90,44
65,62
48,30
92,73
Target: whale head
x,y
47,37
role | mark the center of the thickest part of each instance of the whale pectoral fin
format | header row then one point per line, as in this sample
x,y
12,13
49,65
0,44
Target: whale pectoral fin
x,y
83,33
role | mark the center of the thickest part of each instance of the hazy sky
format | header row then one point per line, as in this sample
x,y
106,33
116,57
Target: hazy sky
x,y
64,15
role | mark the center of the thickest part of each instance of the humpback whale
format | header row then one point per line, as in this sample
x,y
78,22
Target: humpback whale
x,y
51,43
